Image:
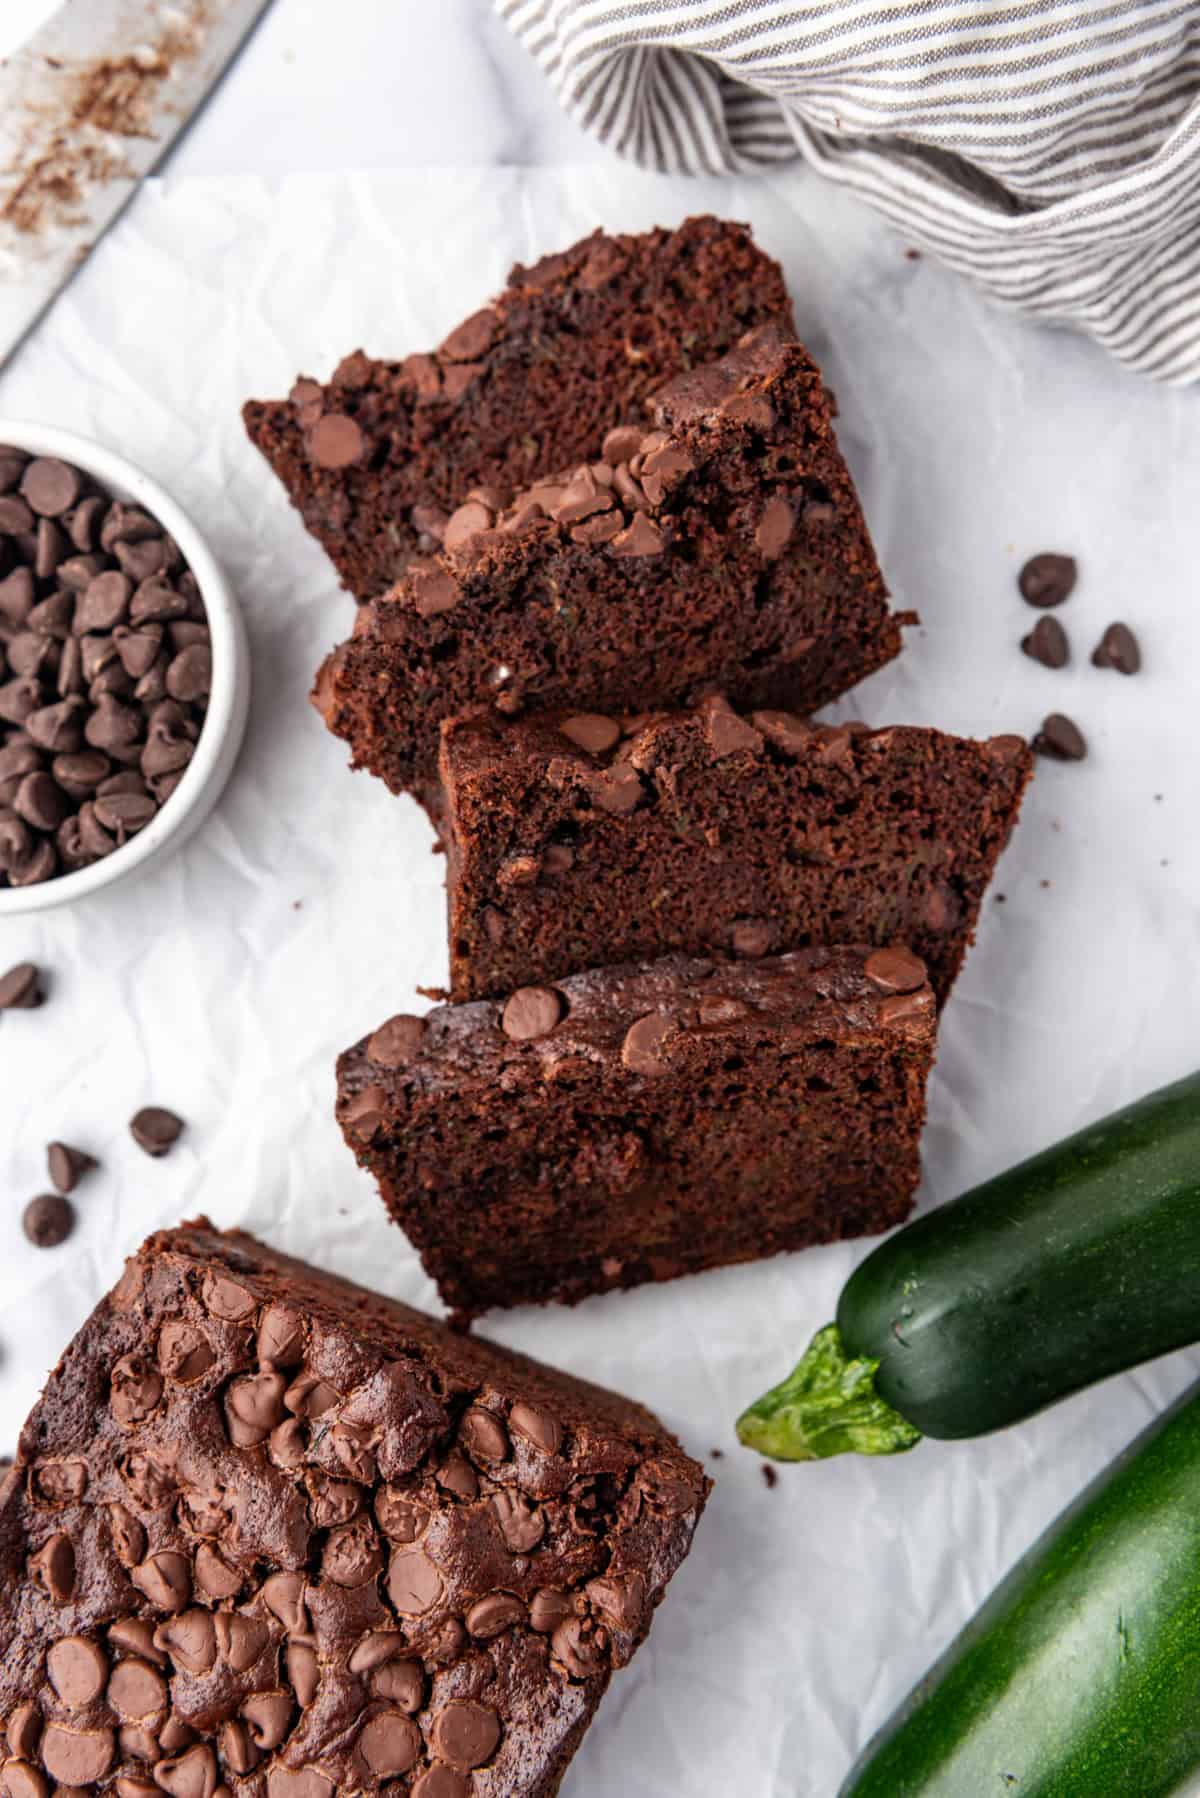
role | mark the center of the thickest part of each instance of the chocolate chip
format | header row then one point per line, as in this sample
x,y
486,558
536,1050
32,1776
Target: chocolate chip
x,y
909,1011
1060,738
1047,579
52,548
16,517
83,522
124,814
21,988
48,1220
1118,648
104,602
591,731
434,590
189,676
67,1165
137,1691
465,1733
530,1012
521,1526
468,341
165,1579
483,1434
51,486
535,1425
441,1782
41,802
465,523
155,1129
335,441
24,1729
80,773
75,1757
617,790
390,1744
775,527
548,1609
57,728
53,1566
751,937
727,733
77,1670
397,1042
641,537
1047,643
642,1052
895,970
414,1583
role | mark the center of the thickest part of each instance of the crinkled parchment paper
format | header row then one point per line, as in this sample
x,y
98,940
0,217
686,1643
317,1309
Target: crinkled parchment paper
x,y
310,906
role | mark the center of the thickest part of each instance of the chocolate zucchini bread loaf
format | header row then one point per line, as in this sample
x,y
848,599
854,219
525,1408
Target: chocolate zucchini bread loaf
x,y
376,460
574,840
270,1534
724,548
639,1122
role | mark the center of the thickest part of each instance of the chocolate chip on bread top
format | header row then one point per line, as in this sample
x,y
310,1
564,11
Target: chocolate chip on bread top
x,y
270,1534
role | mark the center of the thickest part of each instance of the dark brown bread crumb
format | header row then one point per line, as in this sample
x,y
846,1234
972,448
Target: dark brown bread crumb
x,y
273,1534
725,548
376,460
666,1117
743,835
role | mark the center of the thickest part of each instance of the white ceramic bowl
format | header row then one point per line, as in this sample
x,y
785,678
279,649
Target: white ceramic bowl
x,y
229,700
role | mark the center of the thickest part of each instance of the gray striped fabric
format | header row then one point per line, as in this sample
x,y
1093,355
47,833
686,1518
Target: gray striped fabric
x,y
1049,150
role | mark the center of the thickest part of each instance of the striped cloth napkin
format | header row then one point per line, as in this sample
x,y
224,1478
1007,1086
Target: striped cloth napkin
x,y
1049,150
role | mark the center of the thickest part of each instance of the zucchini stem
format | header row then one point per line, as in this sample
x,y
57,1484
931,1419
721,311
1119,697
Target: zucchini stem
x,y
827,1406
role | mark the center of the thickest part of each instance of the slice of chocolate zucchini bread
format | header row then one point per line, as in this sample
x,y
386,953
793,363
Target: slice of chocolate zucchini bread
x,y
725,548
638,1122
575,839
377,459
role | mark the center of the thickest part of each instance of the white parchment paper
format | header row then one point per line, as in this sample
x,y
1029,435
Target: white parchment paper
x,y
310,906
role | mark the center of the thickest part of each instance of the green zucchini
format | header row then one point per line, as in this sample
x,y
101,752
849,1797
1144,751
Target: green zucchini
x,y
1080,1262
1080,1676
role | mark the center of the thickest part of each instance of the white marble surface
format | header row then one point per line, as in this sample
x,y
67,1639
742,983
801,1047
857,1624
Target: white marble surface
x,y
367,84
310,906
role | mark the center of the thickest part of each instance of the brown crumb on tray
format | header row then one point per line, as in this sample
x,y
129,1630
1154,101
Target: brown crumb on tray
x,y
770,1477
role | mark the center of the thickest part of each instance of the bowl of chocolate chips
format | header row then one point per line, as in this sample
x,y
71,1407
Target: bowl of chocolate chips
x,y
124,670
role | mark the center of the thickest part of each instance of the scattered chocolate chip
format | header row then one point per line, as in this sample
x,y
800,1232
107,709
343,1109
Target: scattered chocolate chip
x,y
48,1220
770,1477
67,1165
1047,579
530,1012
1047,643
1118,648
21,988
155,1129
1060,738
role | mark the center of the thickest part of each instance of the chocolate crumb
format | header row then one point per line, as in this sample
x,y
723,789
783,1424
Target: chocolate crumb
x,y
770,1477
